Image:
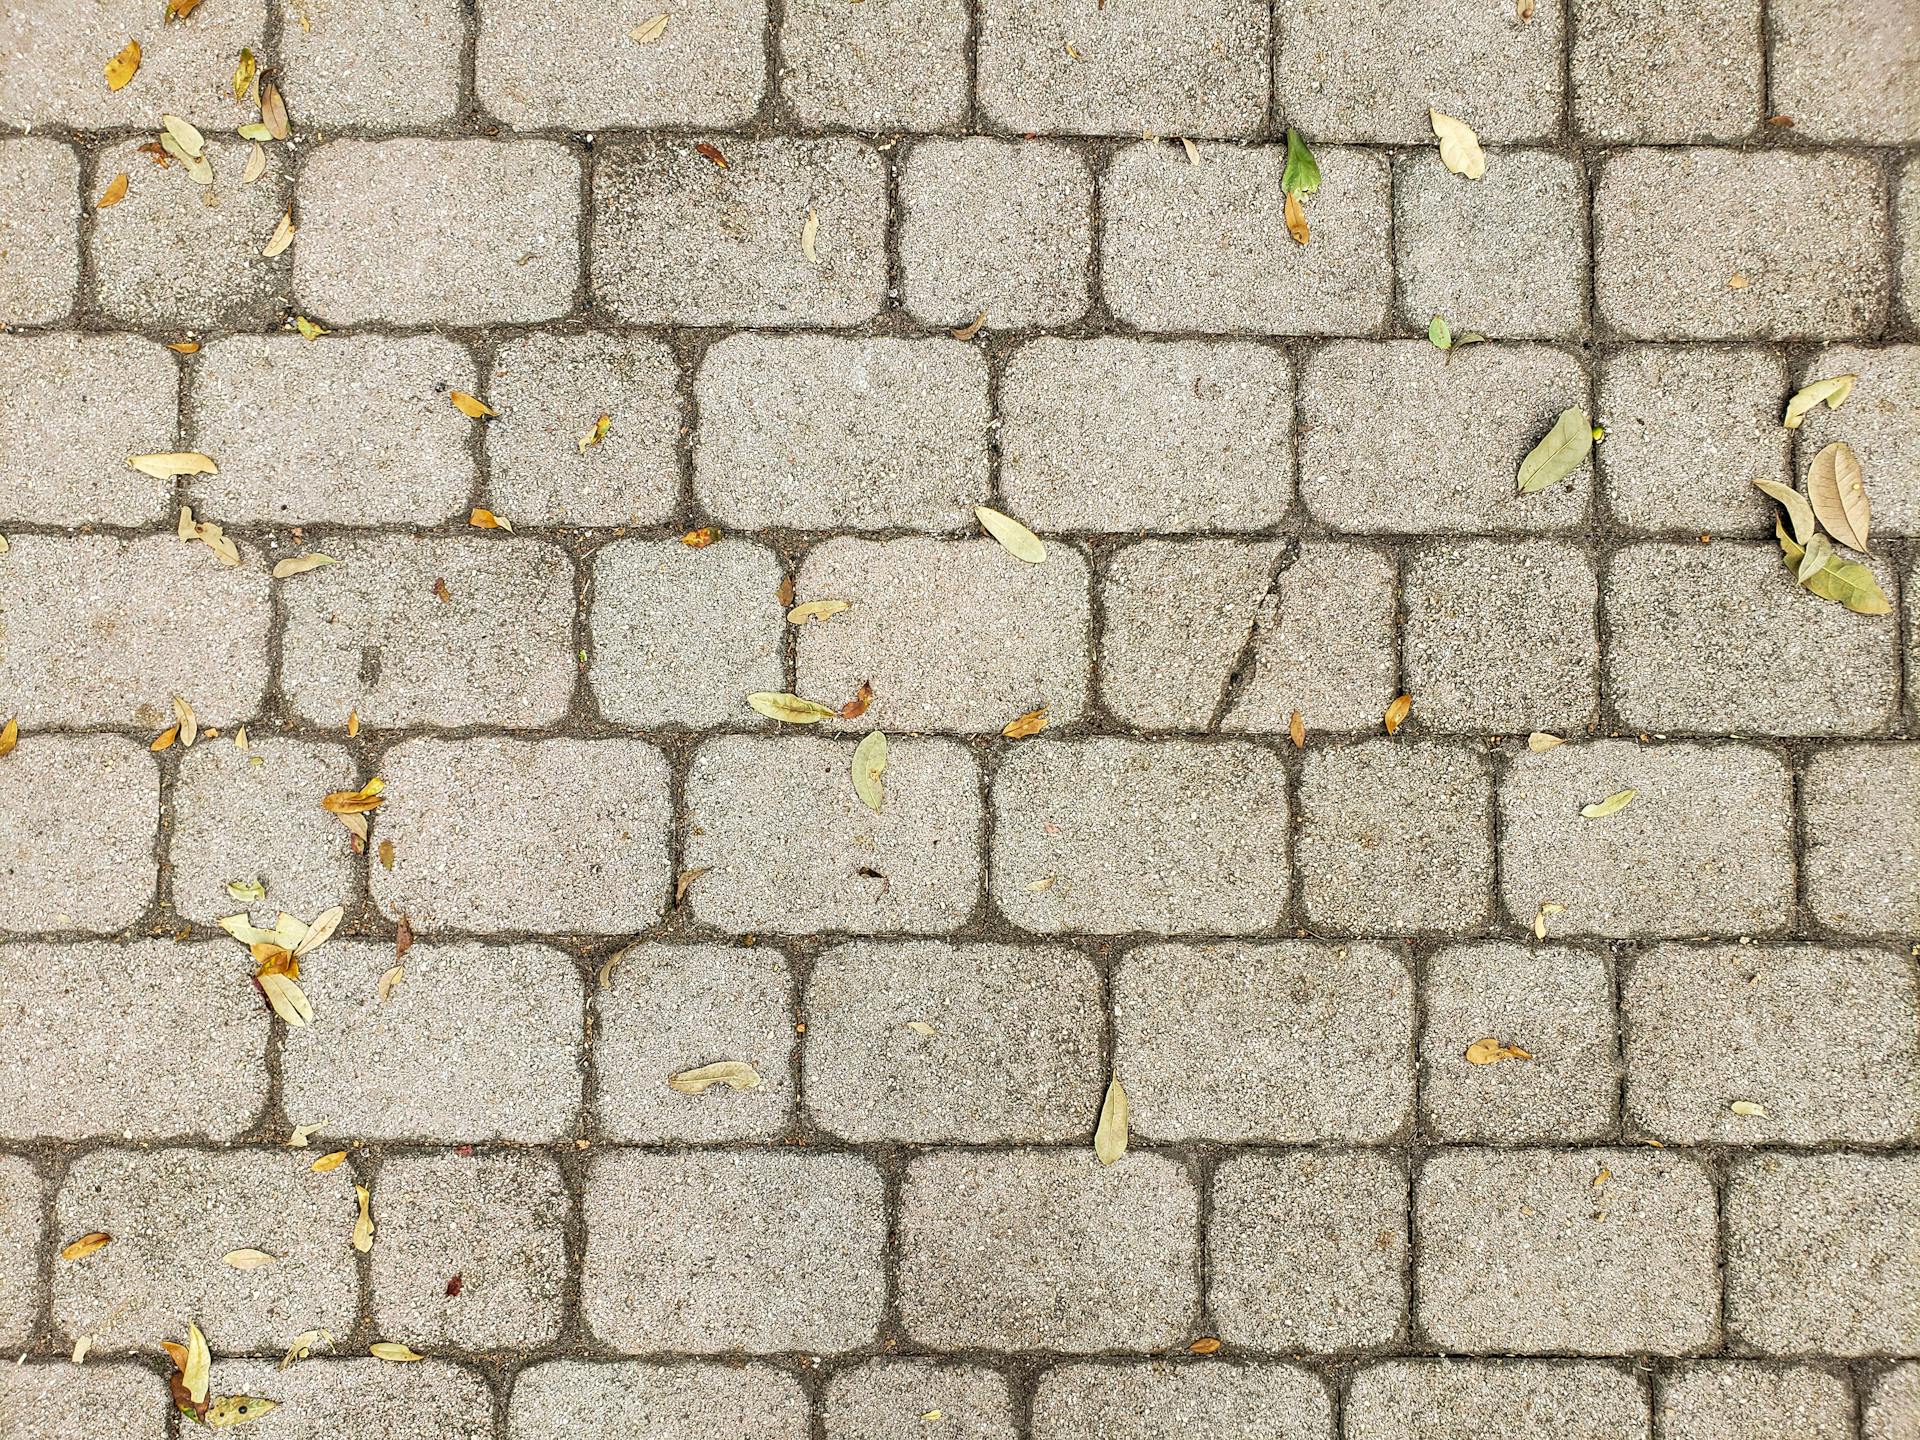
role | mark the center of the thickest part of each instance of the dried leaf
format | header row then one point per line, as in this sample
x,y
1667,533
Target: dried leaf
x,y
120,69
649,31
785,593
594,436
701,538
244,73
86,1245
179,10
1847,581
816,610
394,1351
790,709
1547,907
440,591
1296,217
189,722
1612,805
231,1410
321,931
1560,453
273,111
192,143
402,937
1747,1107
869,763
1814,558
197,1371
470,406
1523,9
303,1344
303,1133
809,233
1396,713
1459,147
1838,494
286,997
247,1259
386,854
363,1223
1539,742
301,564
921,1028
9,735
308,329
1302,173
164,740
1297,730
246,891
1021,726
1110,1135
862,698
968,331
685,879
115,192
208,534
1738,281
1016,539
1490,1051
253,130
712,153
355,802
1834,392
1799,512
82,1348
1205,1345
281,238
199,168
390,979
356,826
171,466
734,1074
1193,150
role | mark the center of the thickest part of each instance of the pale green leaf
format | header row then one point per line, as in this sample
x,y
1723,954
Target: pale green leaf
x,y
1110,1136
1016,539
1846,581
1560,454
1797,508
1440,333
1612,805
869,762
231,1410
790,709
1814,558
1834,391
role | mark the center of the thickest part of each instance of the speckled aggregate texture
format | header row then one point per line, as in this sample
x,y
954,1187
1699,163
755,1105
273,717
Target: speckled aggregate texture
x,y
616,364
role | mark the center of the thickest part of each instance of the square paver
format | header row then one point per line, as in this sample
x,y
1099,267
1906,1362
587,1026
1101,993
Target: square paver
x,y
390,67
1142,1400
1892,1408
886,1397
78,406
1455,1399
1879,422
1649,73
1846,73
677,1400
1862,861
1734,1400
39,233
87,863
879,65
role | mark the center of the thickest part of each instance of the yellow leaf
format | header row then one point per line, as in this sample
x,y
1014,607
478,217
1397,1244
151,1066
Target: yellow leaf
x,y
189,723
172,466
246,891
355,802
240,738
596,435
1747,1107
470,406
809,233
790,709
649,31
1295,214
231,1410
1021,726
1834,391
734,1074
353,723
1193,151
1838,493
184,347
386,854
481,519
9,735
115,192
1297,730
197,1371
816,610
363,1225
1490,1051
921,1027
326,1164
247,1259
243,74
1459,147
393,1350
971,329
390,978
1612,805
309,330
869,762
164,740
179,10
286,997
1397,713
1016,539
86,1245
303,1133
1539,742
1206,1345
1547,907
701,538
1110,1135
120,69
281,238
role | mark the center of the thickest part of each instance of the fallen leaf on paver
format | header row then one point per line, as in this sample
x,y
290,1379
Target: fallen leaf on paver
x,y
1799,512
356,826
213,536
1016,539
301,564
197,1370
809,233
700,539
594,436
1396,713
402,937
231,1410
1747,1107
363,1224
1489,1051
244,73
1784,121
1833,391
255,167
1539,742
967,332
471,406
179,10
935,1414
1601,1178
790,709
440,591
1524,9
1302,173
320,931
1205,1345
1110,1135
303,1133
254,131
191,142
1612,805
386,854
1814,558
455,1285
1297,730
164,740
1021,726
309,330
303,1344
393,1350
1547,907
86,1245
1296,218
1560,453
1440,335
9,735
1838,493
115,192
199,169
1459,147
816,610
649,31
355,802
712,153
921,1028
247,1259
1045,882
173,464
686,879
785,593
353,723
154,152
1738,281
189,722
288,1000
82,1348
390,979
1193,150
120,69
862,698
1846,581
734,1074
869,763
246,891
281,238
273,111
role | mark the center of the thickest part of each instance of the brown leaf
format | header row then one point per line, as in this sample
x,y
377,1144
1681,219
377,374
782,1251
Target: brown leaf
x,y
685,879
968,331
1297,731
711,152
862,698
1489,1051
355,802
402,937
785,593
440,591
115,192
471,406
353,723
1838,494
701,538
1206,1345
1295,215
273,111
1021,726
386,854
1397,713
120,69
281,238
9,735
455,1286
93,1240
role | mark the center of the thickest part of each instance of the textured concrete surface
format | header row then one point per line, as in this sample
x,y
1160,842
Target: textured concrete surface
x,y
1454,1112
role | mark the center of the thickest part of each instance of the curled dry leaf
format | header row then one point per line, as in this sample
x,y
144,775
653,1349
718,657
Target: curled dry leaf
x,y
273,111
1297,730
1016,539
649,31
471,406
1205,1345
281,238
440,591
82,1348
1547,908
869,764
197,1371
303,1344
1489,1051
115,192
1612,805
303,1133
809,234
170,466
390,979
1799,512
816,610
179,10
189,722
394,1351
684,881
353,723
321,931
1296,217
1396,713
734,1074
1110,1135
968,331
213,536
87,1244
9,735
1747,1107
1833,391
594,436
790,709
701,538
785,593
363,1223
355,802
1193,150
1459,147
122,67
1559,454
1539,742
1021,726
231,1410
1838,493
711,153
862,698
247,1259
301,564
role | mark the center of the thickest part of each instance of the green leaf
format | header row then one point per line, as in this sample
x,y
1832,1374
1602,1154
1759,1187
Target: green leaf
x,y
1440,333
1818,552
1845,581
253,130
1833,391
1302,175
869,762
1798,510
1612,805
1560,454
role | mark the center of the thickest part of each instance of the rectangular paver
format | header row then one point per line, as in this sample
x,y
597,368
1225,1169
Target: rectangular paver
x,y
436,1399
888,1395
54,56
1862,859
1880,426
59,1401
351,66
1744,1400
1205,1402
1648,73
1465,1399
1846,74
78,405
885,67
674,1401
88,862
20,1191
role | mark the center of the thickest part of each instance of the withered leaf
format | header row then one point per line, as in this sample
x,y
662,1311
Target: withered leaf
x,y
321,931
1612,805
1295,215
353,723
734,1074
594,436
1459,147
281,238
87,1244
922,1028
1021,726
455,1285
179,10
164,740
303,1133
790,709
810,233
862,698
1205,1345
685,879
1559,454
82,1348
247,1259
1016,539
1799,512
394,1351
1489,1051
120,69
197,1371
9,735
816,610
189,722
389,981
115,192
303,1344
1297,730
712,153
1838,493
1547,907
231,1410
191,142
355,802
402,937
869,763
213,536
470,406
363,1224
971,329
273,111
701,538
647,32
184,347
785,593
1110,1135
1814,558
1193,150
243,74
301,564
386,854
286,997
173,465
1833,391
1747,1107
440,591
255,131
1847,581
1539,742
246,891
1396,713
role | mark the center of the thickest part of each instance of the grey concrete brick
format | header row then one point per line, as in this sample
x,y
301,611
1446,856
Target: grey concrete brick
x,y
1292,1042
573,835
1505,254
551,391
372,634
1395,439
103,640
669,1008
175,254
791,849
255,814
86,862
77,406
1721,638
1820,1255
1689,429
1395,837
1168,837
432,1400
1648,73
453,232
1881,421
1846,73
1022,637
1193,247
172,1215
1204,1402
682,636
476,1042
1184,435
818,432
58,1401
1014,1051
54,56
1892,1408
1826,1040
496,1221
1343,74
887,1397
891,65
1501,637
39,234
1675,226
393,67
1554,1002
1003,227
1608,1264
678,241
1862,860
1308,1250
783,1251
1704,846
1047,1249
1734,1400
20,1246
566,1399
1906,229
351,428
1317,623
1911,603
131,1079
1195,68
1464,1399
570,65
